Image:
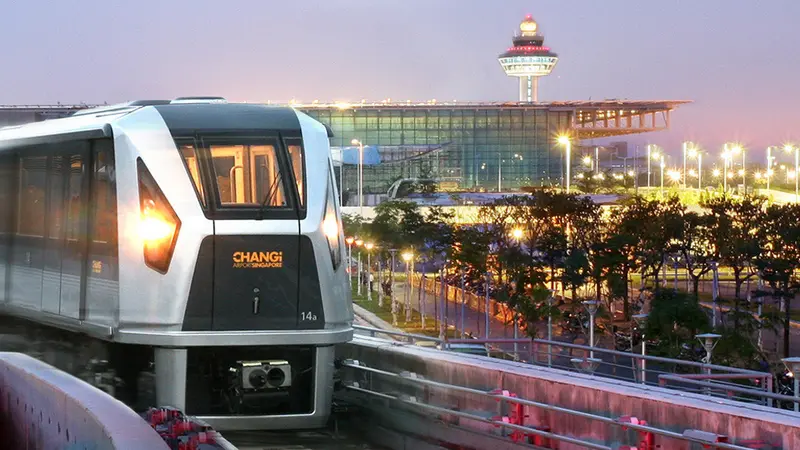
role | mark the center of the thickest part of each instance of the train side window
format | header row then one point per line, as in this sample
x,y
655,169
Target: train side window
x,y
33,184
297,159
7,194
55,217
104,194
75,201
192,163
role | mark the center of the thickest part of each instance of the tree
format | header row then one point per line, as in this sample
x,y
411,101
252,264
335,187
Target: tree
x,y
696,246
734,235
675,319
779,257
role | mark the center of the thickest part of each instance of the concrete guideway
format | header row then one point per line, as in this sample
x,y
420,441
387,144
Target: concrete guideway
x,y
565,403
50,409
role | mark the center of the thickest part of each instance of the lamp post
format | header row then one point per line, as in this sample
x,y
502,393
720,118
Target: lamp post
x,y
685,148
725,156
769,166
788,149
550,327
662,174
359,243
360,175
591,307
408,257
564,140
709,341
793,364
488,285
349,242
735,151
641,320
649,155
369,246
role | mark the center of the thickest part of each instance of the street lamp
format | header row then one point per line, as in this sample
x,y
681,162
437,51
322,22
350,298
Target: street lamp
x,y
591,307
641,320
564,140
360,175
793,364
369,246
349,241
662,175
685,152
725,157
788,149
359,243
736,150
709,341
408,257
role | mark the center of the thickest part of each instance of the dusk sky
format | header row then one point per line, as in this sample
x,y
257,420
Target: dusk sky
x,y
737,60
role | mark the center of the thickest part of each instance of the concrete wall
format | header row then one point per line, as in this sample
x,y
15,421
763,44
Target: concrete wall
x,y
662,408
44,408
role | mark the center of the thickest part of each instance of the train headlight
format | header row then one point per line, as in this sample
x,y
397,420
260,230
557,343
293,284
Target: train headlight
x,y
331,227
158,225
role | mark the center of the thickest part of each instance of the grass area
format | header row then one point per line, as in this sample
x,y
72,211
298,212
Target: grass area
x,y
385,313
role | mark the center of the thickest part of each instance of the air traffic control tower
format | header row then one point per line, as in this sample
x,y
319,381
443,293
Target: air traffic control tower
x,y
528,60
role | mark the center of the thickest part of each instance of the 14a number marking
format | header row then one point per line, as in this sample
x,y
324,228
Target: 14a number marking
x,y
308,316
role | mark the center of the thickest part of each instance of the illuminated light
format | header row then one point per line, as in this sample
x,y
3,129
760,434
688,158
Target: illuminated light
x,y
790,174
342,105
693,173
741,172
587,160
330,227
563,140
715,173
674,175
730,175
770,172
693,153
630,173
369,246
359,242
407,256
757,175
736,150
788,148
154,229
350,240
516,233
656,156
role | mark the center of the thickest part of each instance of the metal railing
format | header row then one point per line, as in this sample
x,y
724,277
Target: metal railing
x,y
707,439
624,366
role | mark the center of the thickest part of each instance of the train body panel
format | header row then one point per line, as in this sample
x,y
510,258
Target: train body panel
x,y
167,231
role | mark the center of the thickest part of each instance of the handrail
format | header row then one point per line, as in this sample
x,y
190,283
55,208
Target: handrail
x,y
726,387
419,337
411,377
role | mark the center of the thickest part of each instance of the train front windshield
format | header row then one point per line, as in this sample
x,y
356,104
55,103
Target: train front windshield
x,y
246,178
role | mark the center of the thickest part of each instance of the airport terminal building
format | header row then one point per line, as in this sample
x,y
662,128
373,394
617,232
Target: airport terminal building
x,y
502,146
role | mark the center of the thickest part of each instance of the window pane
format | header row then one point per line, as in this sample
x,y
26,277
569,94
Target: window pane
x,y
248,175
75,200
296,157
33,180
193,166
105,197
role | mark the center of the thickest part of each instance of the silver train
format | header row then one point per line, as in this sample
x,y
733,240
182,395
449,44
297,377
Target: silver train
x,y
189,252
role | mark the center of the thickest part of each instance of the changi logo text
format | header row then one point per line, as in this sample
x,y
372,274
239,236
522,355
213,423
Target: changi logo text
x,y
257,260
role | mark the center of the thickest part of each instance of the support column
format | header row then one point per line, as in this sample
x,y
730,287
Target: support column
x,y
171,377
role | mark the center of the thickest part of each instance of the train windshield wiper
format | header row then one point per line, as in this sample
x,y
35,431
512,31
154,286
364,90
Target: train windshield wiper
x,y
268,198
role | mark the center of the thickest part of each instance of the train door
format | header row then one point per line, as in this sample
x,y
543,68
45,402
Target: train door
x,y
256,241
54,231
74,250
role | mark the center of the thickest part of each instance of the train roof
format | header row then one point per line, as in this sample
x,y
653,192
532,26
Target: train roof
x,y
179,116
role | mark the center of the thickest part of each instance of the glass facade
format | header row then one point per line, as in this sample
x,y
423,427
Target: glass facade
x,y
466,148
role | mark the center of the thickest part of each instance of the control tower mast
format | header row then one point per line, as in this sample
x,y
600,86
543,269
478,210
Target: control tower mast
x,y
528,60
